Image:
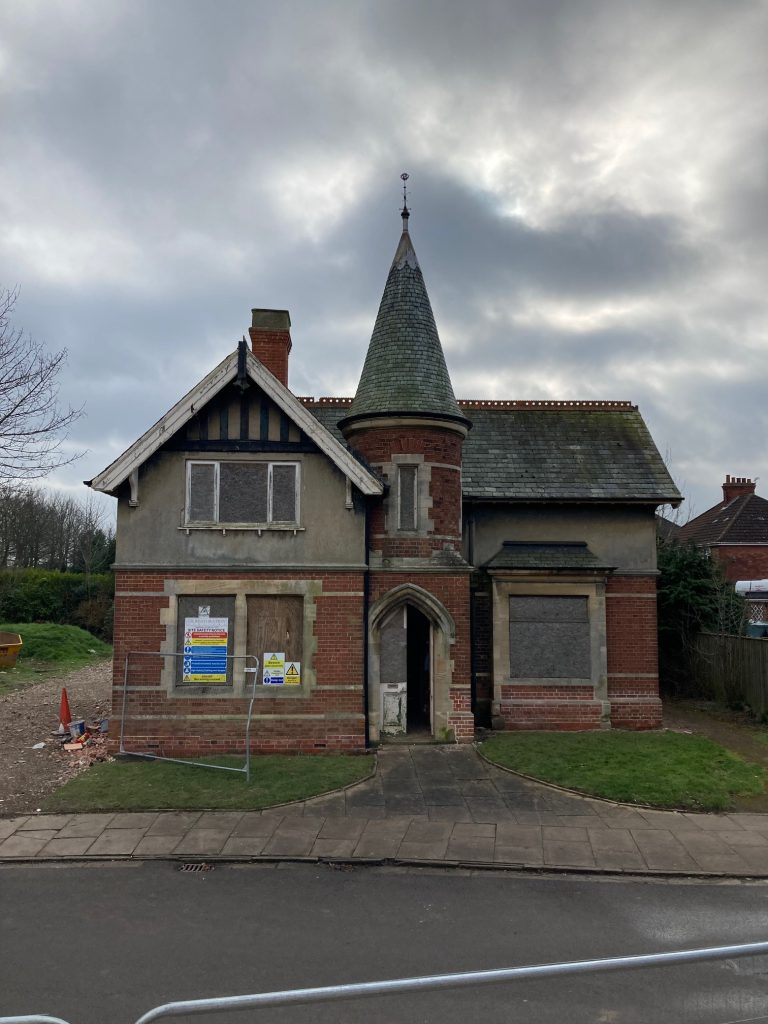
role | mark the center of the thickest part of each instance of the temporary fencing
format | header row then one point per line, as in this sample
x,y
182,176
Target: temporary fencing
x,y
141,674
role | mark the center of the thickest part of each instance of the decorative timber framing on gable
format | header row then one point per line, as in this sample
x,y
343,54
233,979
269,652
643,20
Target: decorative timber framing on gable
x,y
311,432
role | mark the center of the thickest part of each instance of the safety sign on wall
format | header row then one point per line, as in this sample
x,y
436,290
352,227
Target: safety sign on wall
x,y
293,673
273,672
205,650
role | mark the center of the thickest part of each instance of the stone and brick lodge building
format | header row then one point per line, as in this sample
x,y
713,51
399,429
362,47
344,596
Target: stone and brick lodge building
x,y
426,564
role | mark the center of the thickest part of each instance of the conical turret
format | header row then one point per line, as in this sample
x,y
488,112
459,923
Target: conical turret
x,y
404,370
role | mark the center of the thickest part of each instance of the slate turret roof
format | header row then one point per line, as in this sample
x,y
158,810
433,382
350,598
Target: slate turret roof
x,y
404,370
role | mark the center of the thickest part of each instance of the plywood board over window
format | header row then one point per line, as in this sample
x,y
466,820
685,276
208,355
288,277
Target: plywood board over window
x,y
276,623
549,638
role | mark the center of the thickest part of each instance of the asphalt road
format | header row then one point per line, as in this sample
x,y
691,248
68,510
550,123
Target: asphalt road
x,y
103,943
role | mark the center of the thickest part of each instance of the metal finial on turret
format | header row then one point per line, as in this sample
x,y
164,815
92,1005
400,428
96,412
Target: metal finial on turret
x,y
405,213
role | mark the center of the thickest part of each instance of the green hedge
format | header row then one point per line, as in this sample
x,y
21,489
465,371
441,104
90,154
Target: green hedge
x,y
67,598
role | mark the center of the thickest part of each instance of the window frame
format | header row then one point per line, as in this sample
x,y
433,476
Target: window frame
x,y
415,467
216,522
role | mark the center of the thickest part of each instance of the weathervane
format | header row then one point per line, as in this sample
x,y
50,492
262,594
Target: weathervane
x,y
405,213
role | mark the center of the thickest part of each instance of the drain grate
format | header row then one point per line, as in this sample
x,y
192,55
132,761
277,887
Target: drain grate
x,y
198,865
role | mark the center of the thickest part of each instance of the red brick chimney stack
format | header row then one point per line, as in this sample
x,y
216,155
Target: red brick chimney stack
x,y
270,333
735,486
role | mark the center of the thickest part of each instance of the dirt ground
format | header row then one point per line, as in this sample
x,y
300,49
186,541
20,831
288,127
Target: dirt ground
x,y
28,716
733,730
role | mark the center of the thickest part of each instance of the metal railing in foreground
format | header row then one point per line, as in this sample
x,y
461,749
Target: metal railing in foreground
x,y
427,983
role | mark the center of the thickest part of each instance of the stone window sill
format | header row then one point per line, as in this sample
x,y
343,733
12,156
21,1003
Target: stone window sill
x,y
257,528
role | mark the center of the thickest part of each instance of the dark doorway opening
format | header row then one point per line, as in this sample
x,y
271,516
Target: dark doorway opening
x,y
419,672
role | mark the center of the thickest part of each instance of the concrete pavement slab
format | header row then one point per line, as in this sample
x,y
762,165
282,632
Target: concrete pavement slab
x,y
134,819
620,860
471,848
463,830
428,832
228,820
422,851
341,828
291,844
10,825
66,847
509,853
711,822
333,847
565,854
202,842
121,841
42,821
563,834
244,846
745,837
171,823
155,845
83,825
377,846
440,812
661,851
21,845
611,840
255,824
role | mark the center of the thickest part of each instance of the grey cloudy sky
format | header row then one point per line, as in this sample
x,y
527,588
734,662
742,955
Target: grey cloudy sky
x,y
589,200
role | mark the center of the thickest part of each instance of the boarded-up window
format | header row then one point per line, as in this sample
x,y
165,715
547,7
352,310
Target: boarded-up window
x,y
407,494
549,638
243,492
201,506
276,623
196,609
283,493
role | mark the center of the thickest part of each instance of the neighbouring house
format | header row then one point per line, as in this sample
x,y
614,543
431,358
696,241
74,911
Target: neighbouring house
x,y
735,531
399,562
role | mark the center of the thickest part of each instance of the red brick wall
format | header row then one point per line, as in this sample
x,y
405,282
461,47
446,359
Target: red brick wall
x,y
743,561
176,724
633,649
272,349
440,448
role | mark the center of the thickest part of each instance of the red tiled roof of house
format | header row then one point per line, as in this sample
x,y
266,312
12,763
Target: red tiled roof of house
x,y
742,520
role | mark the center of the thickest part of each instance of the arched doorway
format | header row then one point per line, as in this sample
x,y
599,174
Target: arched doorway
x,y
409,666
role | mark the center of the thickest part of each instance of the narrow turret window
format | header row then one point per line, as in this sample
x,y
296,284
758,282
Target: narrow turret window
x,y
407,477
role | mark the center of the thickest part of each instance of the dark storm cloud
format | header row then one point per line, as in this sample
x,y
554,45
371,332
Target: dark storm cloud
x,y
588,195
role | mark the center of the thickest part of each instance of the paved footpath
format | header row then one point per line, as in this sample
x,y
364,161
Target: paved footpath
x,y
426,804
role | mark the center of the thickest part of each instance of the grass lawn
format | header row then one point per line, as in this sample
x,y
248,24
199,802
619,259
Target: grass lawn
x,y
49,650
663,769
137,785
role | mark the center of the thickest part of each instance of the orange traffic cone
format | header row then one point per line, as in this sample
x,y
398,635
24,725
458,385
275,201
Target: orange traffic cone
x,y
65,715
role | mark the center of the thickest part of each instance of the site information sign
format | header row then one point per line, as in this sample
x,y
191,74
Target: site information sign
x,y
205,650
273,673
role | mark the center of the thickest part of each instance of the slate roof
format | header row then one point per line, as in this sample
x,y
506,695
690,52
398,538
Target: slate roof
x,y
742,520
551,451
545,555
404,369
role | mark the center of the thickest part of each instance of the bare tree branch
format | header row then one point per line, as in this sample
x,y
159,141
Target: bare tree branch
x,y
33,427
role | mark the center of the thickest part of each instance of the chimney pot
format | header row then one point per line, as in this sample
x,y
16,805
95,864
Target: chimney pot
x,y
736,486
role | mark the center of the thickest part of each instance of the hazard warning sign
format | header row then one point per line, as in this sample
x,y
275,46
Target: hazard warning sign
x,y
273,673
292,673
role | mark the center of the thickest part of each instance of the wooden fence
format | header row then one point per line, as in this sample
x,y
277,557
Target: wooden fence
x,y
733,669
